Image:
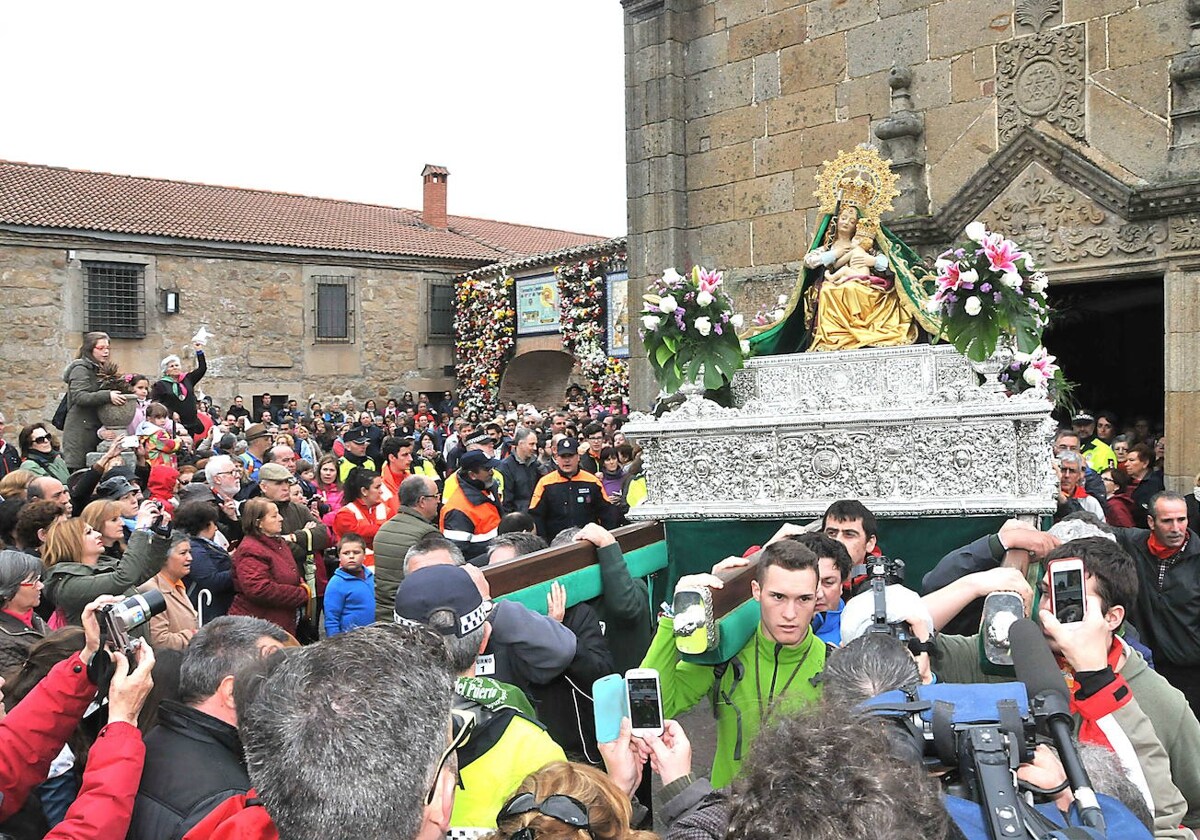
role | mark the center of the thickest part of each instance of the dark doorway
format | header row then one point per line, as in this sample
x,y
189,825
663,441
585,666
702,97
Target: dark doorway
x,y
1109,340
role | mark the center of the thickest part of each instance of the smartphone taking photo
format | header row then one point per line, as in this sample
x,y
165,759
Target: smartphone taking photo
x,y
645,701
1068,600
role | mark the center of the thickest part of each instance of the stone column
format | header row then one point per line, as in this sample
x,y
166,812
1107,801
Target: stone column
x,y
656,195
1183,158
1181,295
901,134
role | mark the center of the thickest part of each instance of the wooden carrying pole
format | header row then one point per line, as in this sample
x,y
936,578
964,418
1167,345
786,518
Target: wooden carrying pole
x,y
552,563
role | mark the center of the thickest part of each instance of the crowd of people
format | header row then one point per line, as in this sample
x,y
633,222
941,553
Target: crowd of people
x,y
329,661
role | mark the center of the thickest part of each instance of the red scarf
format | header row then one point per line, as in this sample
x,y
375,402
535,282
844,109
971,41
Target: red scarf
x,y
1159,550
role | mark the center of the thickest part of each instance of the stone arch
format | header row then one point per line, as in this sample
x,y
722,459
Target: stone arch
x,y
537,376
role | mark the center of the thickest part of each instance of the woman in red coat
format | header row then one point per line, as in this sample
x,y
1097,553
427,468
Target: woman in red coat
x,y
1120,510
265,578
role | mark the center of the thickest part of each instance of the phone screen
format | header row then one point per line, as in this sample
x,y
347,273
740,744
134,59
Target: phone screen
x,y
643,703
1068,595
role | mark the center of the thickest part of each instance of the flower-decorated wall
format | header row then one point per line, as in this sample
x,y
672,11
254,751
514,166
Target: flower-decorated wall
x,y
581,292
484,337
486,326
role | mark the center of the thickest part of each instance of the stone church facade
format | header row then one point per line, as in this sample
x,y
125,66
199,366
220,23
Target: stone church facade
x,y
1071,125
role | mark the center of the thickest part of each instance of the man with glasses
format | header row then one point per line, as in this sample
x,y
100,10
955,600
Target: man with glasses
x,y
505,744
224,476
10,458
1071,495
589,451
419,502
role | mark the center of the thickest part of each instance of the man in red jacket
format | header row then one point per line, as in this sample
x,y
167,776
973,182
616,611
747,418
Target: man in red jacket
x,y
34,733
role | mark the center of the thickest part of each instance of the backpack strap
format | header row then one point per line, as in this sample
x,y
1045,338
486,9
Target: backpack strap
x,y
726,695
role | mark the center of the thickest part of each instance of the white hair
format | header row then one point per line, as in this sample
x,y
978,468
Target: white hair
x,y
216,465
166,363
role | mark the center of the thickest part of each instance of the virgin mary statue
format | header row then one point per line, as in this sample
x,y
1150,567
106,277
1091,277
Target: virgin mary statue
x,y
860,286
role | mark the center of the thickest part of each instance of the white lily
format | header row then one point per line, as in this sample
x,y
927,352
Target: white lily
x,y
737,320
745,345
651,322
671,276
782,300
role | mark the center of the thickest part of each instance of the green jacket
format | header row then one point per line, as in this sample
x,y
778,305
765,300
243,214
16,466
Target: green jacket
x,y
624,607
392,541
769,672
72,586
56,468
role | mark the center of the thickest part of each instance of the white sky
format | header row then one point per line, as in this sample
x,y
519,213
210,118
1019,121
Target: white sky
x,y
522,101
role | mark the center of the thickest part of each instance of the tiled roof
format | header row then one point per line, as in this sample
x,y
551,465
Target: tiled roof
x,y
52,197
615,245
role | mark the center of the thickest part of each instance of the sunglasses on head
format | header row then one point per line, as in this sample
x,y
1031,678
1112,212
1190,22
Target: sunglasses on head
x,y
565,809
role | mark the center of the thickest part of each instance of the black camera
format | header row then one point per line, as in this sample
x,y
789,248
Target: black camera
x,y
875,575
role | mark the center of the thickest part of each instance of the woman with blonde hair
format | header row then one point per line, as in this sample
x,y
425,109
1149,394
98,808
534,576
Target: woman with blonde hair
x,y
568,801
14,484
77,572
104,515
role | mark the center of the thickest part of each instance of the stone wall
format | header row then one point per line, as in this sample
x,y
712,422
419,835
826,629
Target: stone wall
x,y
733,105
257,306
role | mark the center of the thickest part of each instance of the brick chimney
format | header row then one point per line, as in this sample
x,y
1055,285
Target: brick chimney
x,y
433,213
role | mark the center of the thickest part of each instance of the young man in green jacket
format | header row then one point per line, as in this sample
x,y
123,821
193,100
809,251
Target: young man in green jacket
x,y
776,669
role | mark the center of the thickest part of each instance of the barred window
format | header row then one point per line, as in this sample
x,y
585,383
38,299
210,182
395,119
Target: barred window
x,y
114,298
333,308
441,310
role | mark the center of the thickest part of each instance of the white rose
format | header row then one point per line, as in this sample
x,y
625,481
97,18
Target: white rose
x,y
703,325
1039,282
973,305
671,277
667,304
782,300
1011,279
737,320
1033,377
777,314
969,276
976,231
745,345
651,322
704,299
933,306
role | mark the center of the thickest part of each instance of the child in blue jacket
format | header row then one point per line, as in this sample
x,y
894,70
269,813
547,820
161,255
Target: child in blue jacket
x,y
350,596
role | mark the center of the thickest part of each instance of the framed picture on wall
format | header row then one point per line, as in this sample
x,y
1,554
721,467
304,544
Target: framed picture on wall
x,y
618,314
537,305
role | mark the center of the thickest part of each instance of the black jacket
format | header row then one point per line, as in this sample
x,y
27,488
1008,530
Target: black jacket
x,y
185,405
519,481
1168,617
564,704
193,763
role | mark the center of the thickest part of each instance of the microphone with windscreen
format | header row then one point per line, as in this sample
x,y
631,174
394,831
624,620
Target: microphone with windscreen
x,y
1051,706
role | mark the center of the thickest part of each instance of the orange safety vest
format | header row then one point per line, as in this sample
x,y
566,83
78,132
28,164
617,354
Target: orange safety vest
x,y
485,517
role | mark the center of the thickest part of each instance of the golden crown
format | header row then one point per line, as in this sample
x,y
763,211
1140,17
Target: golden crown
x,y
860,178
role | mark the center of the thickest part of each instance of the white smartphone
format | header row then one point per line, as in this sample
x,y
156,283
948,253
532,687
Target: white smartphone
x,y
645,701
1068,600
129,442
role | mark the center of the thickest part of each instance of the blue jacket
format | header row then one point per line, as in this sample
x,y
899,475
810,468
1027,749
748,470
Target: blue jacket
x,y
828,625
349,601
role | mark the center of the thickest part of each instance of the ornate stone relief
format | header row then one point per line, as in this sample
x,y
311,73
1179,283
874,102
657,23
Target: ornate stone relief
x,y
1185,233
1058,224
1034,14
1042,77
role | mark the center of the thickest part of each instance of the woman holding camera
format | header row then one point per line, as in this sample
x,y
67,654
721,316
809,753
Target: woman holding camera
x,y
78,572
265,576
173,628
20,592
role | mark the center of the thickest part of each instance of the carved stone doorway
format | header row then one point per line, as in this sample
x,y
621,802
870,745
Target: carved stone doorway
x,y
539,377
1109,339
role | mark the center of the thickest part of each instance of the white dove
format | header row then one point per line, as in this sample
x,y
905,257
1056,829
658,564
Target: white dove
x,y
202,336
